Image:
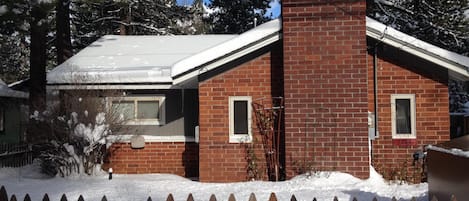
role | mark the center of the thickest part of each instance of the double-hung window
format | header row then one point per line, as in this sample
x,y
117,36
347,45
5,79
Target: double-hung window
x,y
240,119
139,110
403,116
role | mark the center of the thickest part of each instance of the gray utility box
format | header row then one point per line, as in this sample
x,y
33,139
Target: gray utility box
x,y
448,169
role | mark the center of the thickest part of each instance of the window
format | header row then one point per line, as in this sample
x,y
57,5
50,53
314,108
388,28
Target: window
x,y
403,116
240,119
2,120
142,110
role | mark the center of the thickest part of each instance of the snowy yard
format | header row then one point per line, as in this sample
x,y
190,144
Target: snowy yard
x,y
323,186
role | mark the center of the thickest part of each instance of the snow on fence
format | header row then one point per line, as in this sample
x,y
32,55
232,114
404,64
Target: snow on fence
x,y
252,197
15,155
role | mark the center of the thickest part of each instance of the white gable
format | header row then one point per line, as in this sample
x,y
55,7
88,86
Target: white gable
x,y
5,91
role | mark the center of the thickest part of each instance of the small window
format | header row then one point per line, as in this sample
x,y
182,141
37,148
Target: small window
x,y
139,110
403,116
240,119
2,120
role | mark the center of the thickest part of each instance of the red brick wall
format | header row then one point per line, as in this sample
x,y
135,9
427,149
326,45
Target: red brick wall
x,y
432,120
221,161
156,157
325,80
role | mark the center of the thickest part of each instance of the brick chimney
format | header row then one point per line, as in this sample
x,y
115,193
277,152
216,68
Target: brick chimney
x,y
325,78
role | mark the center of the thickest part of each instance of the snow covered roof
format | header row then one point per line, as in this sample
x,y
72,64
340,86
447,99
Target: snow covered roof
x,y
5,91
152,60
131,59
457,64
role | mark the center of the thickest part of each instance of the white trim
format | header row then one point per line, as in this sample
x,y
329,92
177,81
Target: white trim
x,y
227,59
239,138
109,86
156,97
413,134
150,138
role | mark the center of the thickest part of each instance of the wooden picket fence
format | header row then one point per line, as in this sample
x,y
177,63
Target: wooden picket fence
x,y
252,197
15,155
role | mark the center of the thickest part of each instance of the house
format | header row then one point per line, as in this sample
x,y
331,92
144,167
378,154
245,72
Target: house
x,y
190,97
12,121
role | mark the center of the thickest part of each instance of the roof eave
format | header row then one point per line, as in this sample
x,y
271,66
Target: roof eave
x,y
455,69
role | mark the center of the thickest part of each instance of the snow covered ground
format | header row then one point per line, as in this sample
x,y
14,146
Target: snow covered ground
x,y
323,186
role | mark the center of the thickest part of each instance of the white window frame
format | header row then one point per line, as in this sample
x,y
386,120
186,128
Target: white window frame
x,y
413,134
240,138
161,100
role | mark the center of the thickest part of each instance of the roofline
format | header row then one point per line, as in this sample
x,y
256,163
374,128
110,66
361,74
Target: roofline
x,y
454,67
100,86
220,61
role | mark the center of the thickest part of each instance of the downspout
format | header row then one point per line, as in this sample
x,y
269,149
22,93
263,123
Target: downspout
x,y
375,88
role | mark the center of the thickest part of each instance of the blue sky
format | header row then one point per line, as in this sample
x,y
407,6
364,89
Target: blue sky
x,y
275,6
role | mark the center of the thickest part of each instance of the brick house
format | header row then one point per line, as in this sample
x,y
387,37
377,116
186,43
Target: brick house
x,y
320,57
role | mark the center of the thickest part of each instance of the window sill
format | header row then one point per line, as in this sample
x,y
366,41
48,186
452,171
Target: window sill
x,y
151,138
149,122
240,139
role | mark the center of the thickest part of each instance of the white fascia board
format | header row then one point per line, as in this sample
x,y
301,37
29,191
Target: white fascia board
x,y
109,87
226,59
419,52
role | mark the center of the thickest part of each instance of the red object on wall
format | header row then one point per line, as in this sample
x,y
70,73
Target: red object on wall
x,y
404,142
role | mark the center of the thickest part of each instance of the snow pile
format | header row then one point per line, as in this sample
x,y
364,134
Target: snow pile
x,y
323,186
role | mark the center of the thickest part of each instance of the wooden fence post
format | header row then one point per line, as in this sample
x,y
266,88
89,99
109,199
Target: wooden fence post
x,y
273,197
3,194
231,198
293,198
190,197
170,197
46,197
13,198
27,198
252,197
213,198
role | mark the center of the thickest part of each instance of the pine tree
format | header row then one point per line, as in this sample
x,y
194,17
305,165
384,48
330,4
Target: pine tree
x,y
237,16
439,22
14,45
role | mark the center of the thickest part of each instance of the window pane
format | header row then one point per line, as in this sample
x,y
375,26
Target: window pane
x,y
241,117
147,109
124,109
403,119
2,119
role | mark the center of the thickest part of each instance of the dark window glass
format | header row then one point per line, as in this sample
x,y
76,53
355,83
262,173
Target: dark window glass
x,y
2,119
403,116
240,117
